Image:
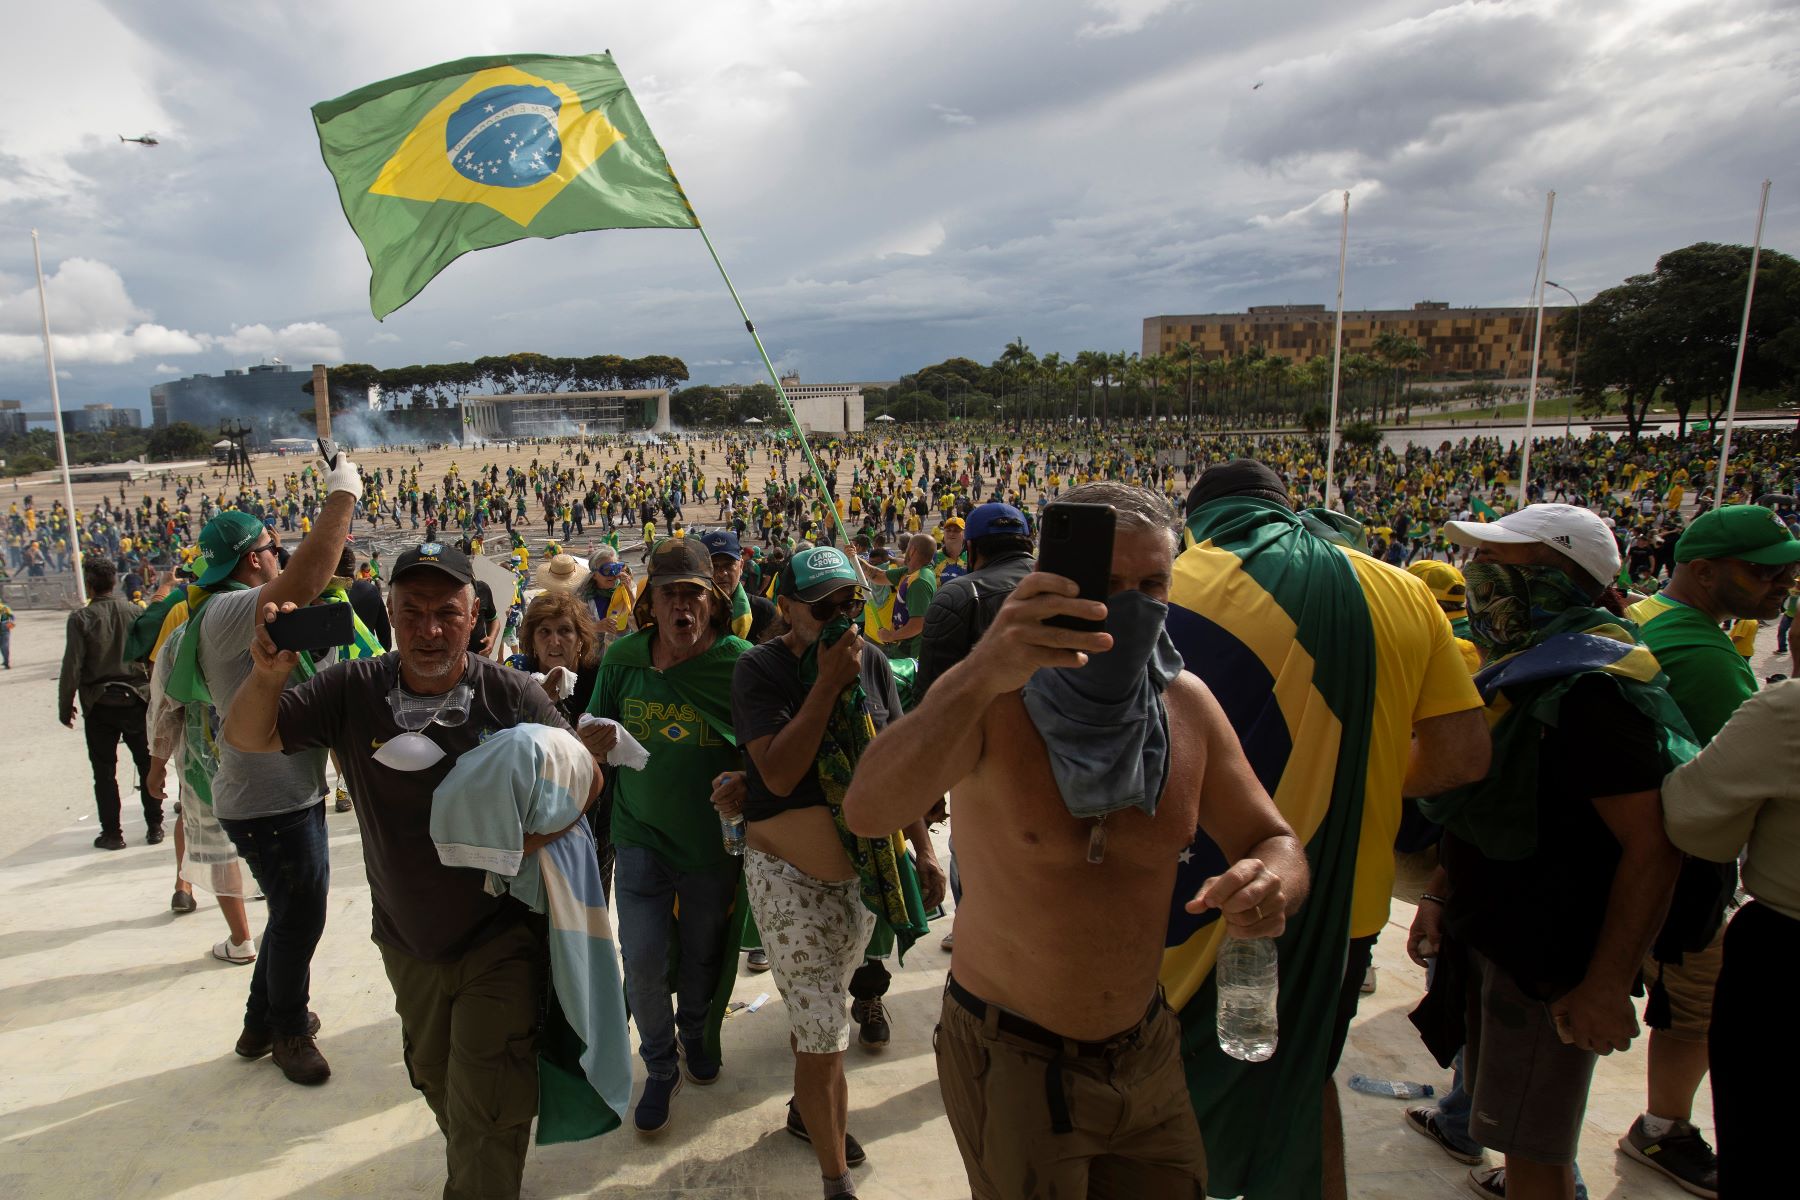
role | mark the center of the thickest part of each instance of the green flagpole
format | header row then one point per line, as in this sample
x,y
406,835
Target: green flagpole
x,y
774,378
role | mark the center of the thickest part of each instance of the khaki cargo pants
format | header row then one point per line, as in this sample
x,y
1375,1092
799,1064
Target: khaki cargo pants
x,y
1130,1128
469,1032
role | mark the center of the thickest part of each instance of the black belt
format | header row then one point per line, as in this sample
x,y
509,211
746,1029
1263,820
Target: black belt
x,y
1055,1096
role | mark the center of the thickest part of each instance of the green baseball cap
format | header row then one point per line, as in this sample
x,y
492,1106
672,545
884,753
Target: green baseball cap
x,y
818,573
1747,531
224,541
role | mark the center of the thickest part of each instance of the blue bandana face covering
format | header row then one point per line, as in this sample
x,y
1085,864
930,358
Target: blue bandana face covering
x,y
1105,725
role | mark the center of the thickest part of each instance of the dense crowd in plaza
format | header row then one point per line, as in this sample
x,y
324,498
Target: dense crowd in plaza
x,y
713,693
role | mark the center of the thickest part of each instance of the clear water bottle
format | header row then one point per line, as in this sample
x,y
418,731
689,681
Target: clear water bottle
x,y
733,829
1248,983
1399,1089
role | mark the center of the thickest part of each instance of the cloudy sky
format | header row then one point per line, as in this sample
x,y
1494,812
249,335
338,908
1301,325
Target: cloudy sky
x,y
889,184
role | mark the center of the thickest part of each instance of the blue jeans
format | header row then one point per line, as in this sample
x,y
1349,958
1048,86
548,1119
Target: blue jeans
x,y
645,890
291,862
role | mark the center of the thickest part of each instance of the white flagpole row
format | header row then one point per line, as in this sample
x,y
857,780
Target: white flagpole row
x,y
1737,371
62,447
1337,357
1537,344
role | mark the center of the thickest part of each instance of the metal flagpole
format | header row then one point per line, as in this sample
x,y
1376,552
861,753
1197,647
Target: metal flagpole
x,y
774,378
1737,372
62,447
1337,355
1537,344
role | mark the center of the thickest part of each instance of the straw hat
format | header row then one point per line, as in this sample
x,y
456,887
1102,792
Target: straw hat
x,y
563,573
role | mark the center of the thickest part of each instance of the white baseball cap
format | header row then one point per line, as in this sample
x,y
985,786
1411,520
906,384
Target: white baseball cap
x,y
1576,532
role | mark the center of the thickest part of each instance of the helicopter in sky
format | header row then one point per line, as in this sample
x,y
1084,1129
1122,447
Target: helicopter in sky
x,y
146,140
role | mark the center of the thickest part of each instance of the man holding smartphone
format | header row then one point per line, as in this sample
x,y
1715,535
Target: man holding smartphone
x,y
271,806
1059,1061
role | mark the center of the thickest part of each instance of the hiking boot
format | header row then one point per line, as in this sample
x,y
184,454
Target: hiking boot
x,y
300,1060
854,1154
110,841
182,903
1681,1154
652,1115
871,1018
153,835
758,962
696,1064
254,1043
1423,1119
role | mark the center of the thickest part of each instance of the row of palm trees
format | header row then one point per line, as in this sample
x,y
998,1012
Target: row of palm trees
x,y
1255,388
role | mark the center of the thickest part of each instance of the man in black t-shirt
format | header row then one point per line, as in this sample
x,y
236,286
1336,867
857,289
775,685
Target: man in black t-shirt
x,y
1555,875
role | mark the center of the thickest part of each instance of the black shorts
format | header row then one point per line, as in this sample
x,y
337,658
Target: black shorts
x,y
1356,966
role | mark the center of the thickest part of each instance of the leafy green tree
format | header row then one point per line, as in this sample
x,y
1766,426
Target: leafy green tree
x,y
179,440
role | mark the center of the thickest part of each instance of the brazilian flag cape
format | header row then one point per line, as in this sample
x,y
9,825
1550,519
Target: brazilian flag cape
x,y
1272,617
705,683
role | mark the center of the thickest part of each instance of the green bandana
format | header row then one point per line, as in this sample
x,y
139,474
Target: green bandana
x,y
889,884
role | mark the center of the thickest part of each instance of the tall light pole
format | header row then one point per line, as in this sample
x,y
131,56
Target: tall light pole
x,y
1575,359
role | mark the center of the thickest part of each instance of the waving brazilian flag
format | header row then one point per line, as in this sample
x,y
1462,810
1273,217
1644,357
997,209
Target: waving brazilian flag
x,y
1272,617
485,151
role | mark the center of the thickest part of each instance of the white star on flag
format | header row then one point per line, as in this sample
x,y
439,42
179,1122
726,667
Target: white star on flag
x,y
1185,857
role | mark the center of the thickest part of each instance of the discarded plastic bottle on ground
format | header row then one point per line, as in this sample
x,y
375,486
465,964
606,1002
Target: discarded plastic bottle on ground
x,y
732,828
1400,1089
1248,983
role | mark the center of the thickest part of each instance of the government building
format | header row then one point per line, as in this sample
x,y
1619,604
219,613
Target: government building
x,y
1474,343
267,398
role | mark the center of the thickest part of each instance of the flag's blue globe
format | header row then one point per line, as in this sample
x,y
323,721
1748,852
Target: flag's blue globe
x,y
506,136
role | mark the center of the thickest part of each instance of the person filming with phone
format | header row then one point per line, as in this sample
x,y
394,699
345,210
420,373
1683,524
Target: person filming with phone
x,y
272,807
1080,761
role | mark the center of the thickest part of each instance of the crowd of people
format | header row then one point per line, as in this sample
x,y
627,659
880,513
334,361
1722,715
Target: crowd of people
x,y
1538,696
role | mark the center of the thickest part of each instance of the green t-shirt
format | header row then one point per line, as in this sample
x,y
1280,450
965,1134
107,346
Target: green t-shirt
x,y
682,716
911,600
1708,678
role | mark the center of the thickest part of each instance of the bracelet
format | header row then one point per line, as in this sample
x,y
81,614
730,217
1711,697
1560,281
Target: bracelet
x,y
1434,899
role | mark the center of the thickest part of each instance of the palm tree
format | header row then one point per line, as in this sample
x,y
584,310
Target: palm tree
x,y
1015,358
1048,372
1113,368
1089,366
1182,357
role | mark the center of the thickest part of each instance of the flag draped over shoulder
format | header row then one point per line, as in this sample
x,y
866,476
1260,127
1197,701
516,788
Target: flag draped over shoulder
x,y
1271,616
484,151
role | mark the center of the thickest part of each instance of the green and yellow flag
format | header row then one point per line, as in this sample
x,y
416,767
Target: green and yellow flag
x,y
485,151
1481,510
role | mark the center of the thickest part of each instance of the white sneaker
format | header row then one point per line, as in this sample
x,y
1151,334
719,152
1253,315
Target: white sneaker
x,y
238,954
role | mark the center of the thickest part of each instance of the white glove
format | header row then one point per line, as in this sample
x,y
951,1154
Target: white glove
x,y
344,477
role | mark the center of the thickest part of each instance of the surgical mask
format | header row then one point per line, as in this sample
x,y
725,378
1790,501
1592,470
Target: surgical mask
x,y
412,750
1510,602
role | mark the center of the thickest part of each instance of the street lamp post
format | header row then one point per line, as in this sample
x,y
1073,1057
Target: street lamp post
x,y
1574,359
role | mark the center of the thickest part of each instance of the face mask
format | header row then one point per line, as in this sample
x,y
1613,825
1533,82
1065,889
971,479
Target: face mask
x,y
412,750
1509,602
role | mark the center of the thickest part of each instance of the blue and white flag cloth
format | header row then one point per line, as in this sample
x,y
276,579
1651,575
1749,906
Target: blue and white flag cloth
x,y
535,779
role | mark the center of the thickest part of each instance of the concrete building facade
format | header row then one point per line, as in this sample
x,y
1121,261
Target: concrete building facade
x,y
565,414
819,407
1470,342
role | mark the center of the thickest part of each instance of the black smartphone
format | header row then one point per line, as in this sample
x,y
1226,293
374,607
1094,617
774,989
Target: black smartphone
x,y
315,627
1077,543
328,450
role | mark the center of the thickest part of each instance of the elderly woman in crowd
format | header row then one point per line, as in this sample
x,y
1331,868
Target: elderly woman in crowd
x,y
609,595
558,641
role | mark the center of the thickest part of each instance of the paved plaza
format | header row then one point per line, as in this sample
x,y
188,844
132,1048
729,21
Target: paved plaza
x,y
117,1078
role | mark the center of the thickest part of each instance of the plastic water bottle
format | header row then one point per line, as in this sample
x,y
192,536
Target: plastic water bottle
x,y
1399,1089
733,829
1248,983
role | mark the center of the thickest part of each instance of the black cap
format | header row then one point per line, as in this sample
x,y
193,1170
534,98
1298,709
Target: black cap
x,y
435,556
1239,477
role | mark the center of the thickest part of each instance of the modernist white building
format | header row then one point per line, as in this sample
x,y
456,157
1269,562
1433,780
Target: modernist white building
x,y
565,414
819,407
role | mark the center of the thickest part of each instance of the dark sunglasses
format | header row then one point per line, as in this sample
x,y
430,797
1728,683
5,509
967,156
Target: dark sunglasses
x,y
824,610
1769,572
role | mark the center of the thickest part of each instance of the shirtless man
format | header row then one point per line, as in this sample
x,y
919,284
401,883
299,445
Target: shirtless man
x,y
1059,1062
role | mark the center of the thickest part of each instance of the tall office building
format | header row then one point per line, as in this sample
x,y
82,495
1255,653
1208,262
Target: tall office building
x,y
267,398
1471,342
